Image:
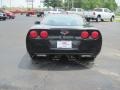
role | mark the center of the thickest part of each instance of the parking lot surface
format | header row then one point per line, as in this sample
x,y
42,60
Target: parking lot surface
x,y
18,72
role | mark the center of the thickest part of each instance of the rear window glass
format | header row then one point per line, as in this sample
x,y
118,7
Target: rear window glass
x,y
63,21
99,10
73,9
54,10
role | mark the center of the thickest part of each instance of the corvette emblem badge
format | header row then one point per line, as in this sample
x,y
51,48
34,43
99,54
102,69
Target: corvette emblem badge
x,y
64,32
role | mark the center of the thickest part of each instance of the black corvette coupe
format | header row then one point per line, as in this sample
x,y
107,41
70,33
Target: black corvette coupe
x,y
63,35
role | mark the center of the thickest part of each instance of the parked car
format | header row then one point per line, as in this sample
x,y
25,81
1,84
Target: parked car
x,y
2,16
63,35
30,12
100,14
16,11
10,15
78,11
54,11
47,11
40,13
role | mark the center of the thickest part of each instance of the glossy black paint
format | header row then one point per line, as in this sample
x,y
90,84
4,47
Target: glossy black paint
x,y
48,46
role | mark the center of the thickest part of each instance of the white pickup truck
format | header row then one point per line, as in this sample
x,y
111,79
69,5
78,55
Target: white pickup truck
x,y
78,11
99,14
54,11
2,16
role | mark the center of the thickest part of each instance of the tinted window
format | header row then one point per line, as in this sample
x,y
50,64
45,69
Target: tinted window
x,y
47,9
61,20
105,10
54,10
60,10
73,9
98,10
80,9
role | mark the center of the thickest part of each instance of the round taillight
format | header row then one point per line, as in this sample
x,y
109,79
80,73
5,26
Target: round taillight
x,y
33,34
84,34
44,34
95,35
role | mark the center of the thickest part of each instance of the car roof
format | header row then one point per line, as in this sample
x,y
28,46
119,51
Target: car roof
x,y
76,8
100,8
62,15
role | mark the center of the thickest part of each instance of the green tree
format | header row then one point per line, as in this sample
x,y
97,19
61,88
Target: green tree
x,y
46,3
90,4
111,4
53,3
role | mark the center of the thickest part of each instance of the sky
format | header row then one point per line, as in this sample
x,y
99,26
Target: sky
x,y
22,3
19,3
118,2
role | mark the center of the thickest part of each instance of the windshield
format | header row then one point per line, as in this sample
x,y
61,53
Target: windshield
x,y
63,20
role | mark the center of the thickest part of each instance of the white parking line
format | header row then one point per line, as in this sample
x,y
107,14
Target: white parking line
x,y
114,75
117,54
112,52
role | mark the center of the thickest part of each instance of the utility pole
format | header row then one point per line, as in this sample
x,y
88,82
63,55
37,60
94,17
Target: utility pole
x,y
68,4
40,4
10,4
72,3
27,4
32,4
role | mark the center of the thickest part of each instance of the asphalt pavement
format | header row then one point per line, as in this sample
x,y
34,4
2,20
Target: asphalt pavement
x,y
18,72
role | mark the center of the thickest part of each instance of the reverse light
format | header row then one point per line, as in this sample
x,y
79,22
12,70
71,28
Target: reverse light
x,y
84,34
95,35
44,34
33,34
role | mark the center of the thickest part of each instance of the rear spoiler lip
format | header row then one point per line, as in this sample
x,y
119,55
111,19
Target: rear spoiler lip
x,y
60,27
66,29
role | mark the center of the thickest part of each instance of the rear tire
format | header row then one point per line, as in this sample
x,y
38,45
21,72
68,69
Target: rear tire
x,y
38,15
33,57
13,17
98,19
42,15
4,19
28,15
88,19
87,59
112,19
102,20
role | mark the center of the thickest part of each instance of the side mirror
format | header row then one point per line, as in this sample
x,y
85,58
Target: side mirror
x,y
37,22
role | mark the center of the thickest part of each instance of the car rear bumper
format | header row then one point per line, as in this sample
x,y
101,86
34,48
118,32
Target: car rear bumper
x,y
92,18
72,43
83,48
3,17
